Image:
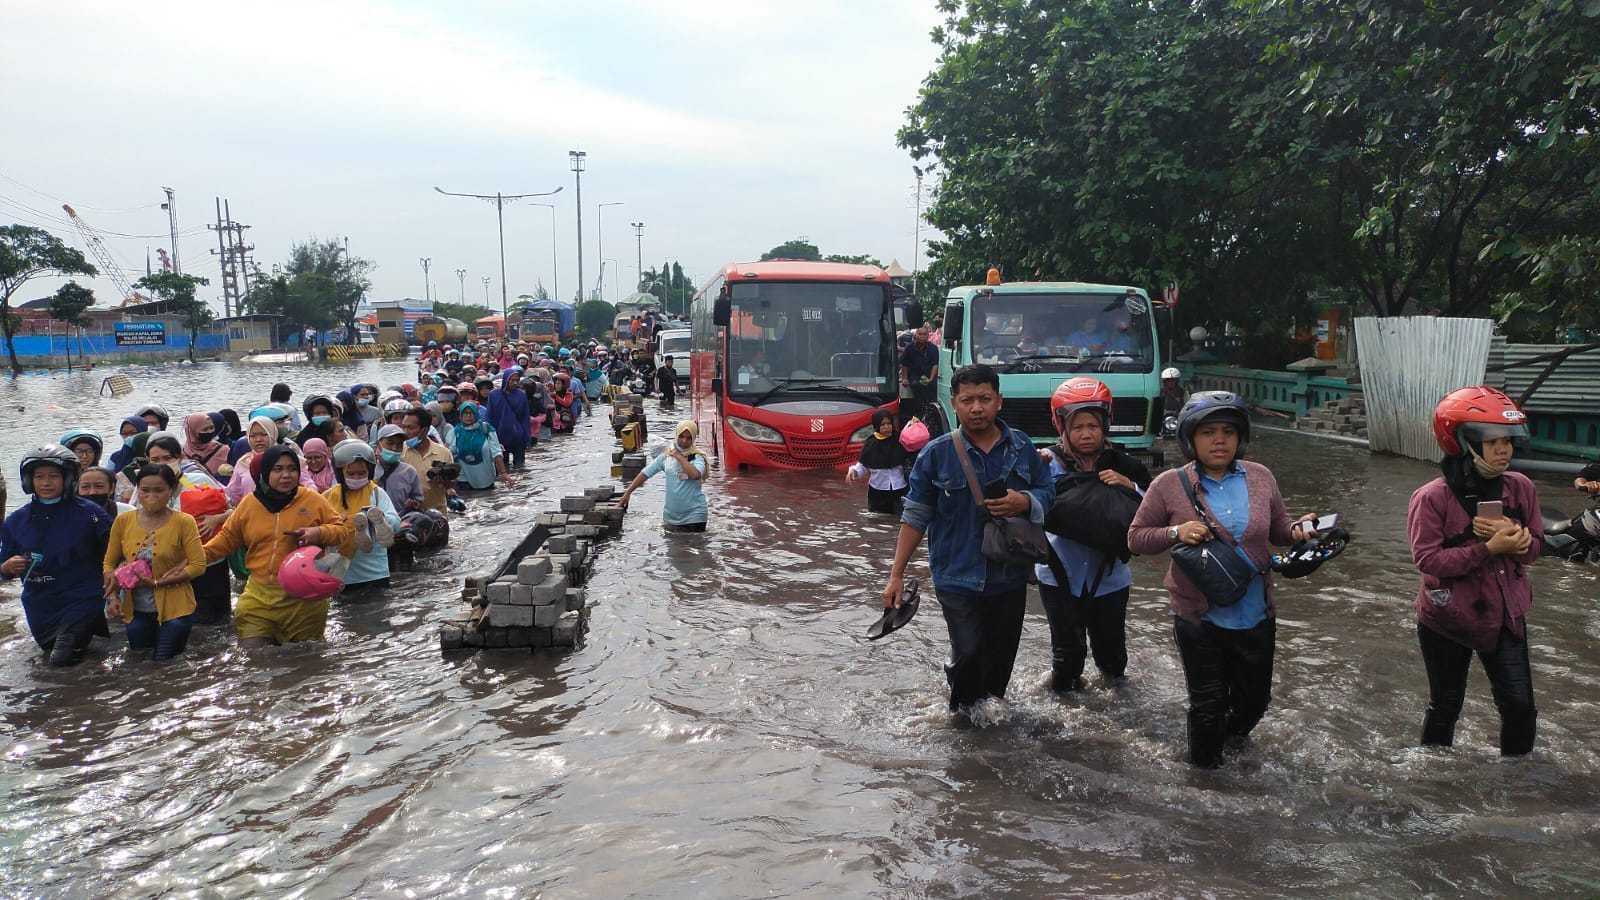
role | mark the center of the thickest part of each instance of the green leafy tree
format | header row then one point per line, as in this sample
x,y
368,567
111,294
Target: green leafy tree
x,y
595,318
320,286
178,292
469,313
70,305
859,259
27,253
799,248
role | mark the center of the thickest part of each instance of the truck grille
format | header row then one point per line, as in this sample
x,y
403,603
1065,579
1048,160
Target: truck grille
x,y
1031,415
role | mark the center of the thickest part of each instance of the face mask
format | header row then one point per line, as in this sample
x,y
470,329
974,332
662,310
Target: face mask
x,y
205,437
105,501
355,482
51,501
320,420
414,443
389,456
128,441
362,401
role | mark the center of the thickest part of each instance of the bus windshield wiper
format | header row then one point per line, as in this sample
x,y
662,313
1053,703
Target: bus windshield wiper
x,y
1033,356
834,385
781,385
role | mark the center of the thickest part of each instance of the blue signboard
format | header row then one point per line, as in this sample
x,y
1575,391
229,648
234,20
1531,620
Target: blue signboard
x,y
140,334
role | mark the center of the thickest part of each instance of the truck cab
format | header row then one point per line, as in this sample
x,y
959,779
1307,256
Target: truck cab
x,y
1038,334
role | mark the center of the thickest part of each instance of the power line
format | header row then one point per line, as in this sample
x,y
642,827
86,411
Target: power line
x,y
99,209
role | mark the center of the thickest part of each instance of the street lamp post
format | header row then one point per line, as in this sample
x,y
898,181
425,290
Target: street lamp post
x,y
577,158
638,248
499,201
426,261
555,265
486,280
461,275
600,242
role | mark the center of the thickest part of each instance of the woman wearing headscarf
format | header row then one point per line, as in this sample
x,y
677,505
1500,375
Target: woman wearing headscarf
x,y
1475,594
201,444
685,469
277,516
318,464
882,463
203,497
125,475
238,444
508,413
369,511
350,413
131,427
263,435
476,449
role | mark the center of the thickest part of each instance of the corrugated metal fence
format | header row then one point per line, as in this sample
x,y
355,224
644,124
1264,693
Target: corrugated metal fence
x,y
1574,387
1407,364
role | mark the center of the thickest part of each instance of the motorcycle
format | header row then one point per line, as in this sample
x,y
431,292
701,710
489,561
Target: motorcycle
x,y
1576,539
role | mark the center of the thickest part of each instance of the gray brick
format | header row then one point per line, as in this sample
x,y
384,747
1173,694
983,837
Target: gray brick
x,y
560,543
575,599
499,592
567,630
472,637
543,637
576,504
450,638
519,637
533,569
521,595
503,615
494,638
546,616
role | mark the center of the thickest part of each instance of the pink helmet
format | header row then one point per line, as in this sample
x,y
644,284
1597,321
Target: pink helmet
x,y
301,578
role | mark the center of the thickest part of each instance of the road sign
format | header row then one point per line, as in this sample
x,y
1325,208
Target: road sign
x,y
140,334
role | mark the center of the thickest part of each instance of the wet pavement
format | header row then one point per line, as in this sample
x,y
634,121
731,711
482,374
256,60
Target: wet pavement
x,y
728,731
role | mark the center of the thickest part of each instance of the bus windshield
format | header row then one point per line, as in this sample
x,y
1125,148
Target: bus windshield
x,y
1063,332
807,334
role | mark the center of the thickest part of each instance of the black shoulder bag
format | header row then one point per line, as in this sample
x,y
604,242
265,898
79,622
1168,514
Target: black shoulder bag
x,y
1214,566
1012,540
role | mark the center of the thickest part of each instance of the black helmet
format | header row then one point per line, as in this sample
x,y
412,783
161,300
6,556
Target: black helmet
x,y
1304,557
333,405
1205,405
51,455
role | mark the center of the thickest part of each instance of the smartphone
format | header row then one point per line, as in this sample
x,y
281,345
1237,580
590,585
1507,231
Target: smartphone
x,y
994,490
1324,523
1490,509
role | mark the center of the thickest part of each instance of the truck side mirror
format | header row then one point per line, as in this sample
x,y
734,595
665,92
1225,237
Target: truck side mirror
x,y
952,325
716,387
914,317
722,311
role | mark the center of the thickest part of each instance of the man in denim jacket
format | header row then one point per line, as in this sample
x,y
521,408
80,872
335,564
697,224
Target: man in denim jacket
x,y
982,601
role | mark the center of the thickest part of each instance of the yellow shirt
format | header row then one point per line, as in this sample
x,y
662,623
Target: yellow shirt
x,y
175,543
264,535
433,492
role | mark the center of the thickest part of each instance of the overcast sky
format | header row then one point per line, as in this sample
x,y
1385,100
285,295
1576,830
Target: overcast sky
x,y
726,126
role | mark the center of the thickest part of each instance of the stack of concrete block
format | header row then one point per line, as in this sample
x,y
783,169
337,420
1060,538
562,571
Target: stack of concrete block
x,y
539,601
1347,417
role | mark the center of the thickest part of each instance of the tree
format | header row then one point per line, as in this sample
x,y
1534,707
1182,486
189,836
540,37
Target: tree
x,y
27,253
469,313
69,305
595,318
178,292
320,286
859,259
799,248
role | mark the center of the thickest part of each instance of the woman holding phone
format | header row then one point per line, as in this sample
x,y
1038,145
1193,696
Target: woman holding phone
x,y
1473,532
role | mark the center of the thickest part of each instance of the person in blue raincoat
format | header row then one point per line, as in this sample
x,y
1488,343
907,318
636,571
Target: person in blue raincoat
x,y
55,543
509,413
476,449
131,427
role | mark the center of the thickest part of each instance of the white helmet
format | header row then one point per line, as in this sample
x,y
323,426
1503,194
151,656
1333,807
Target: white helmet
x,y
349,450
1169,373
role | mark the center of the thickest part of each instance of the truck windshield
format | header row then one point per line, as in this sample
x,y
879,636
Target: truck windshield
x,y
812,334
1102,332
674,345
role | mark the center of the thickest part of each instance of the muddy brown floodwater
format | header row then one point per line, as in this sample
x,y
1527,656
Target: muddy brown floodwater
x,y
728,731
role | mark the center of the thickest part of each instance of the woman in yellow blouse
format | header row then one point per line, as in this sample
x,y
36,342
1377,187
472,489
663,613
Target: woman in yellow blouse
x,y
158,605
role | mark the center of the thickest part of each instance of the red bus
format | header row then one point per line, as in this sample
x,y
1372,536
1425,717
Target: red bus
x,y
790,359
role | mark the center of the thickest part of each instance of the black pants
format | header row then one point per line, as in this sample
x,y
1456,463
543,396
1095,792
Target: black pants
x,y
921,399
1079,623
984,632
514,457
72,638
889,502
1229,676
1510,680
213,596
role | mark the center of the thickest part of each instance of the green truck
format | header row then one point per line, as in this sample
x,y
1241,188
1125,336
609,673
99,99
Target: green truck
x,y
1037,334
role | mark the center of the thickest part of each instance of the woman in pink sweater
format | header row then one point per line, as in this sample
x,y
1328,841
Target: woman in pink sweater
x,y
1226,650
1475,593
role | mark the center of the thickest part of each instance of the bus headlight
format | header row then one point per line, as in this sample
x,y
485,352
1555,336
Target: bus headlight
x,y
861,434
754,431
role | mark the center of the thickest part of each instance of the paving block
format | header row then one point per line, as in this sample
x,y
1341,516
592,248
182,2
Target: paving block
x,y
600,493
560,543
533,569
559,562
554,590
521,595
498,592
547,616
504,615
576,504
450,638
576,600
567,630
587,531
519,637
592,518
575,519
494,638
543,637
579,554
472,637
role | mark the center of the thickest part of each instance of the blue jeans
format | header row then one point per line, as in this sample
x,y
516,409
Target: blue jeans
x,y
168,638
984,632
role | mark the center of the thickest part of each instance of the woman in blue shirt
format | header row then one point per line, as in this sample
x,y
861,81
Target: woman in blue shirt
x,y
477,452
685,468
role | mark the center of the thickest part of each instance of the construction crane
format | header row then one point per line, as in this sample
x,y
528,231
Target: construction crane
x,y
108,266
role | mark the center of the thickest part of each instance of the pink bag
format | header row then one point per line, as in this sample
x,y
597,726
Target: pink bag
x,y
914,436
132,574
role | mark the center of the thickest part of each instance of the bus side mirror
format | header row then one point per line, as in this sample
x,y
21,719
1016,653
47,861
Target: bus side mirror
x,y
952,325
914,314
716,387
722,311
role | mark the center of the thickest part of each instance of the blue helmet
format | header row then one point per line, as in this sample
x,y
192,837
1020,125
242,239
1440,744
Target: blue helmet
x,y
1203,406
83,435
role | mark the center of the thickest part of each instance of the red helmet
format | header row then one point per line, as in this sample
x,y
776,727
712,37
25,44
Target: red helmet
x,y
1078,394
1477,414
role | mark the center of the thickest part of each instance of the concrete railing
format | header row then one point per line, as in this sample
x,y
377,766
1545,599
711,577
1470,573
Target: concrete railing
x,y
1287,392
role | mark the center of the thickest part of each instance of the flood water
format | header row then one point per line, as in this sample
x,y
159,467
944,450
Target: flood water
x,y
728,731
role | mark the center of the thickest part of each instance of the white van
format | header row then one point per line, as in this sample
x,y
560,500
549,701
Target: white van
x,y
674,342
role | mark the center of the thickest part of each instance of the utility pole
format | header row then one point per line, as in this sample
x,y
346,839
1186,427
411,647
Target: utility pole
x,y
171,207
916,251
555,264
600,243
576,158
638,237
499,201
233,256
486,280
427,293
461,274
